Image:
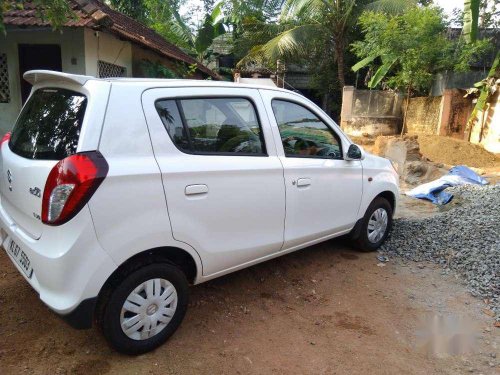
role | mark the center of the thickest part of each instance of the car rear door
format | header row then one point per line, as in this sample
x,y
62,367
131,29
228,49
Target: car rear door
x,y
222,178
47,130
323,191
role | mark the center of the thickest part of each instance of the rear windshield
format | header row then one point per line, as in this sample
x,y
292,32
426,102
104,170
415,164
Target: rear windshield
x,y
49,125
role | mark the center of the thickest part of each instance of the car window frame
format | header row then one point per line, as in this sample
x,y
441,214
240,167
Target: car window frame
x,y
177,101
315,113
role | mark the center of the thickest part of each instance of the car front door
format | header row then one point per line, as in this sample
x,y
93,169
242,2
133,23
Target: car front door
x,y
222,178
323,191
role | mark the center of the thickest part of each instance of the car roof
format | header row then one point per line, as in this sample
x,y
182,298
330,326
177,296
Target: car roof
x,y
42,76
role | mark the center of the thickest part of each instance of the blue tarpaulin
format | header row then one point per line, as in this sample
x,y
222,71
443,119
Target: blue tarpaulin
x,y
434,191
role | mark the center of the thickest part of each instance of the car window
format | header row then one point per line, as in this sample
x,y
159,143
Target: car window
x,y
213,125
171,118
49,125
303,134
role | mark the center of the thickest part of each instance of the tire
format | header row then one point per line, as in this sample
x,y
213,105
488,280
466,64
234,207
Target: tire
x,y
365,240
153,283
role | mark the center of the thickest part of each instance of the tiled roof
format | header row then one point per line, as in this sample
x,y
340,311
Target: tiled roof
x,y
97,15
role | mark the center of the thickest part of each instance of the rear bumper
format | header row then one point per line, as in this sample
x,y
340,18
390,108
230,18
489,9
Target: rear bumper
x,y
82,316
69,265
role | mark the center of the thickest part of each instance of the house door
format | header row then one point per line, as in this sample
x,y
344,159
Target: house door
x,y
37,56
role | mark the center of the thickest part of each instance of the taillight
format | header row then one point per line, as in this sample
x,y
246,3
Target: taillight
x,y
5,138
70,185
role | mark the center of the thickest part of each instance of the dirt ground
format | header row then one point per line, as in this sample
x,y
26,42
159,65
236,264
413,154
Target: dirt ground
x,y
324,310
452,151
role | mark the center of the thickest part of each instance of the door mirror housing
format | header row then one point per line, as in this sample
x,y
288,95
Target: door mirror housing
x,y
355,152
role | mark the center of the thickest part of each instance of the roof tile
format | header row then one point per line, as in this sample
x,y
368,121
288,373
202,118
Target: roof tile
x,y
95,14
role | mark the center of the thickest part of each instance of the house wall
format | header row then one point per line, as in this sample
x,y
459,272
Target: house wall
x,y
108,48
486,130
72,56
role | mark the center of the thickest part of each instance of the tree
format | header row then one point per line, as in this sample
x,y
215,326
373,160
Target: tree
x,y
305,25
408,49
304,22
163,17
56,12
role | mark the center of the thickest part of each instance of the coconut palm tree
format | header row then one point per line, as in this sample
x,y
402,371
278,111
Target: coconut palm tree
x,y
306,24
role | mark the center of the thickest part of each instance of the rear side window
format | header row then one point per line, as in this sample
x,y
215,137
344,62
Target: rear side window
x,y
171,118
49,125
212,125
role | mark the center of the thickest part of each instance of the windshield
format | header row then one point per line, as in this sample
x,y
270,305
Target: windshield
x,y
49,125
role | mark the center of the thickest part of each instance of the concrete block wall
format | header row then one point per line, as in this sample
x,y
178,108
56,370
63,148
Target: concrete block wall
x,y
423,115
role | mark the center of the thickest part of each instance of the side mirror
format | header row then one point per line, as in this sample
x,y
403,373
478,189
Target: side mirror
x,y
355,152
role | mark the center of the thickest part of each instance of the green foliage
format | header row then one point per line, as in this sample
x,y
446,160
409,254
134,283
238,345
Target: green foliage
x,y
489,14
158,70
469,52
163,17
56,12
407,50
486,88
391,6
471,20
306,25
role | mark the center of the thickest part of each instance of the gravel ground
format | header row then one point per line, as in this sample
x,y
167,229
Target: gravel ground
x,y
464,237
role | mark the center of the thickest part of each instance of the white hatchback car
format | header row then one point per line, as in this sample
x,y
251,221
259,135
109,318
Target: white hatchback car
x,y
118,193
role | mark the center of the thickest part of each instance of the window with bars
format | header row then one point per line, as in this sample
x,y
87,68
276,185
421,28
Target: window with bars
x,y
108,70
4,79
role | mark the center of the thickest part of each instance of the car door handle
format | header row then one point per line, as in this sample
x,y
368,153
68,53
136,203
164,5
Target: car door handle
x,y
301,182
196,189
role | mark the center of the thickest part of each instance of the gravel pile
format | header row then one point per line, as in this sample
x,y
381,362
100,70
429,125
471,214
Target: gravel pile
x,y
465,238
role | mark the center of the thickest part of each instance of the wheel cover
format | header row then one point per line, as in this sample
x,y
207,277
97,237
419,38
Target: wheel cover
x,y
377,225
148,309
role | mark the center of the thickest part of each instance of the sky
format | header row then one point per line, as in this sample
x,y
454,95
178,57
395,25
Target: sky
x,y
194,8
447,5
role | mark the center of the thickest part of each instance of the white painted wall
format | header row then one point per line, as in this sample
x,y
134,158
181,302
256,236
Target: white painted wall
x,y
80,50
106,47
71,42
486,130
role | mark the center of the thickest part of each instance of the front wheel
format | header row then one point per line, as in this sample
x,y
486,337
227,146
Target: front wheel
x,y
375,226
145,308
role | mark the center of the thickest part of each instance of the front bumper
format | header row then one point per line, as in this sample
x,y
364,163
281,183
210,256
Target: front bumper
x,y
69,265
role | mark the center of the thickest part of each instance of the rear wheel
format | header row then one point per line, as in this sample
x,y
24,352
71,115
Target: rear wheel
x,y
375,226
145,308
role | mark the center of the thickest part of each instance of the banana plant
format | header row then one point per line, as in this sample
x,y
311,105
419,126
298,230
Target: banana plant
x,y
199,41
471,20
485,88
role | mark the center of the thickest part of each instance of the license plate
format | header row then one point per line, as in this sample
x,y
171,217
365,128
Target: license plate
x,y
20,257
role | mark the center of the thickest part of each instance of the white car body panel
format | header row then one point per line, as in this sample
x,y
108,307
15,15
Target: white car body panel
x,y
69,265
327,201
246,193
133,190
244,210
384,178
